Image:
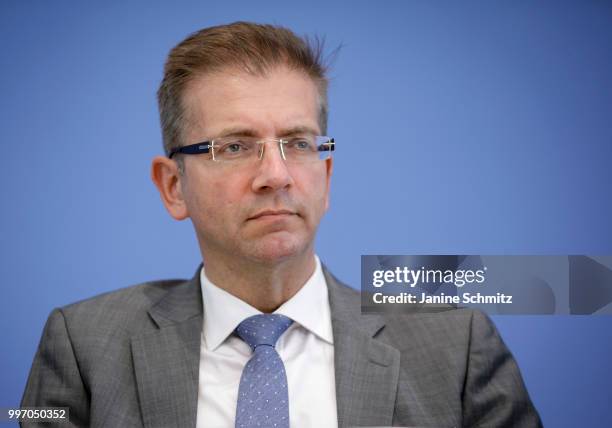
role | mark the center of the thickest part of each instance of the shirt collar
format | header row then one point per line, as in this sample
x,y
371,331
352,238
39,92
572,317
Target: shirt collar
x,y
309,308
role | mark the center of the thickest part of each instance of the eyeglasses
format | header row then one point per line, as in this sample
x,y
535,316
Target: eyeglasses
x,y
237,150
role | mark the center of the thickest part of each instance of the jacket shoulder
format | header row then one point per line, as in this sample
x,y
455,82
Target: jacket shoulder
x,y
123,310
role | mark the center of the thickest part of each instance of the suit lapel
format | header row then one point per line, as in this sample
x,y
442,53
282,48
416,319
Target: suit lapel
x,y
367,370
166,361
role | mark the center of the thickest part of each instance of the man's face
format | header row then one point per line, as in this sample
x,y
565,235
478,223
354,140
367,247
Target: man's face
x,y
267,211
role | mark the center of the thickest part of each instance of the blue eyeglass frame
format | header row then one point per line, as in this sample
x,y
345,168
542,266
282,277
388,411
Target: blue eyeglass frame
x,y
204,147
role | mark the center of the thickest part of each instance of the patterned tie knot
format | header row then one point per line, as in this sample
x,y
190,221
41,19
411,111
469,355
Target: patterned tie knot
x,y
264,329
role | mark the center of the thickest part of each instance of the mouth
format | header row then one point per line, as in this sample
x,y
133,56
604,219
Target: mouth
x,y
272,214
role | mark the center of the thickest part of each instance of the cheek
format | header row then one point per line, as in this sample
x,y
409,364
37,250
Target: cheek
x,y
315,188
217,198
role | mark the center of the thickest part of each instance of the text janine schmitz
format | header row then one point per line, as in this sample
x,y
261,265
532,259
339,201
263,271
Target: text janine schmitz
x,y
424,298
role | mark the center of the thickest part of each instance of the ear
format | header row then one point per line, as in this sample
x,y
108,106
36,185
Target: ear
x,y
329,168
167,178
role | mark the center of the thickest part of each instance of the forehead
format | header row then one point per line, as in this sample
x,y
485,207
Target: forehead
x,y
264,105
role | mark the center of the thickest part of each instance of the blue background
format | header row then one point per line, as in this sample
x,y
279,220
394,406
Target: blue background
x,y
462,128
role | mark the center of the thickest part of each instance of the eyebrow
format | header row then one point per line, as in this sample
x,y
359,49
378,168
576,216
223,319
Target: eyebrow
x,y
235,131
248,132
298,130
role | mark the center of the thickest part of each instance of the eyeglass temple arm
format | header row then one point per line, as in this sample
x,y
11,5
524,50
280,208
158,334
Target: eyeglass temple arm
x,y
330,146
193,149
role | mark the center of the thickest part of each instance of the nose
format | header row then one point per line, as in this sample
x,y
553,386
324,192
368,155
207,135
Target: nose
x,y
272,172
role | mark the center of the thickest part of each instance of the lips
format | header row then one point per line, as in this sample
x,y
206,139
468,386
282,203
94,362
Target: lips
x,y
267,213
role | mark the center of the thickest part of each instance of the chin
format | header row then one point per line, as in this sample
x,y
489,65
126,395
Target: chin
x,y
278,247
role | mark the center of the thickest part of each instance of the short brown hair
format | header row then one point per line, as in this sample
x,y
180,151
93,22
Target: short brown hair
x,y
254,48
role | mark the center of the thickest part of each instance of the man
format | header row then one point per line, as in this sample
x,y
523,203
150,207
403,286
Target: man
x,y
263,334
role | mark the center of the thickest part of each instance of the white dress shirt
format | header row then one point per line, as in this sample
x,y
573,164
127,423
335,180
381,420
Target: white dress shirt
x,y
306,349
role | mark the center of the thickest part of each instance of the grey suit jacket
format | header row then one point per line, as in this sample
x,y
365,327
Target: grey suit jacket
x,y
131,358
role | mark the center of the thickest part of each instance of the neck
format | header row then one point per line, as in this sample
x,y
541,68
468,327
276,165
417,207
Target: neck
x,y
265,286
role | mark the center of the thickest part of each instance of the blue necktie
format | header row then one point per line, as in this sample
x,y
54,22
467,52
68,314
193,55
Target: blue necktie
x,y
263,400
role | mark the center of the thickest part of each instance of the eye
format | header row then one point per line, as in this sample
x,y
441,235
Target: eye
x,y
234,147
303,144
